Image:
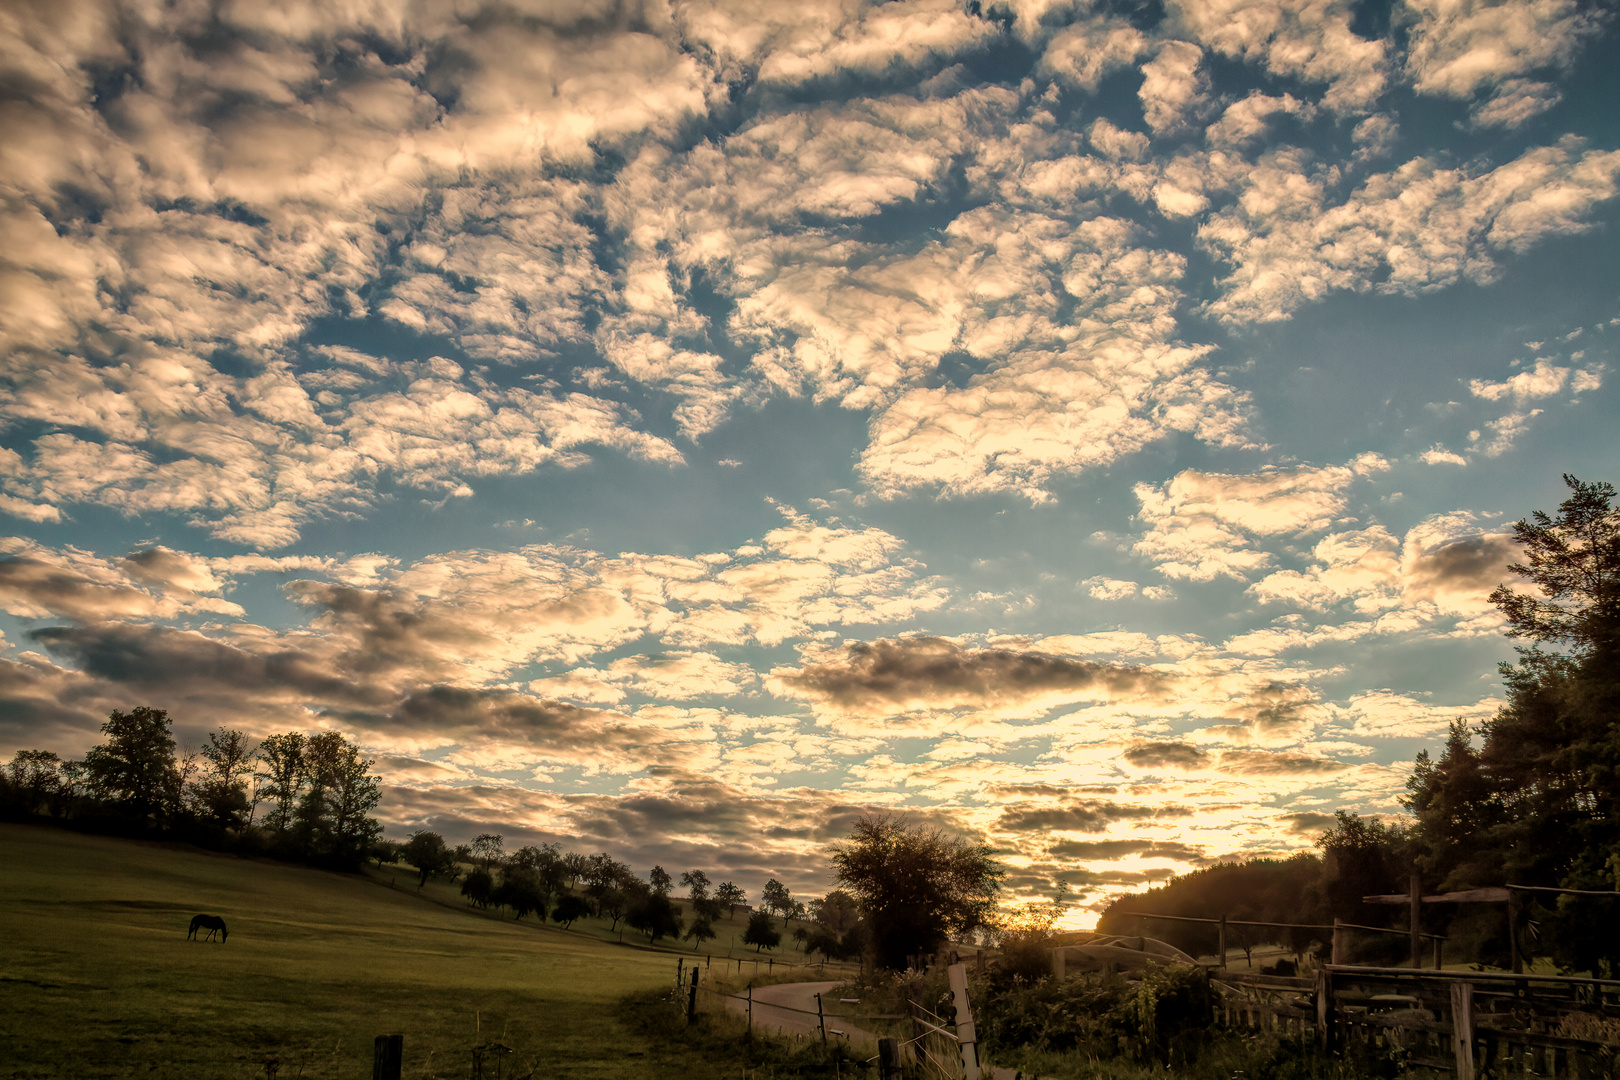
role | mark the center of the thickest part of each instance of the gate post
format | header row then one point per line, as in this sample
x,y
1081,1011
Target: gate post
x,y
1462,1028
965,1035
1324,1011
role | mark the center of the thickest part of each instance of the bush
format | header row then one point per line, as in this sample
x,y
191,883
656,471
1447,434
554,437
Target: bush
x,y
1163,1018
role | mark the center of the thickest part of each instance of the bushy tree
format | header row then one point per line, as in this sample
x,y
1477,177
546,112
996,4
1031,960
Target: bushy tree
x,y
135,769
569,908
761,932
479,887
654,914
32,780
427,852
916,887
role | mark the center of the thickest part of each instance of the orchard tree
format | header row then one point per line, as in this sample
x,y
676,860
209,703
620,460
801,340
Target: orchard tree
x,y
761,932
916,887
776,898
730,895
427,852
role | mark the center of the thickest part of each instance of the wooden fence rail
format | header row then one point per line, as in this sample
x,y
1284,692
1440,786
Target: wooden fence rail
x,y
1468,1023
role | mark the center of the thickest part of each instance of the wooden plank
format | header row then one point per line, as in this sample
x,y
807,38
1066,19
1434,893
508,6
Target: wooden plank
x,y
1462,1029
1495,895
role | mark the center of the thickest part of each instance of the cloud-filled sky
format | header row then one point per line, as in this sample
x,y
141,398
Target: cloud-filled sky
x,y
677,428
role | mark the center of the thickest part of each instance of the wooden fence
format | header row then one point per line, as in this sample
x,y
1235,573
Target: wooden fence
x,y
1466,1022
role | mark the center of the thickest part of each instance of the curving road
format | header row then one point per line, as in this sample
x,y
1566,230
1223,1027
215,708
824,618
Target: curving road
x,y
790,1008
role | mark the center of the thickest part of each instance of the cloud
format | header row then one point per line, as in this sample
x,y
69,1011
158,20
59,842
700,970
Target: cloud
x,y
1460,49
1166,755
888,679
1200,524
1307,822
1116,849
1406,232
1387,714
1311,41
1276,763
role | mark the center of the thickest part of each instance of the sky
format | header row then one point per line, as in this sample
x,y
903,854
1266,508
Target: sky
x,y
677,429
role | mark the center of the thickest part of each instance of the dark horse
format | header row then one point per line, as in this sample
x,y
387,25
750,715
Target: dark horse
x,y
212,923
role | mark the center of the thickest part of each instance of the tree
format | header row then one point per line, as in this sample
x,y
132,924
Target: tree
x,y
222,791
1574,560
1538,803
522,890
479,887
569,908
487,848
776,898
281,777
135,768
332,824
730,895
761,932
427,852
654,914
660,880
34,778
700,931
915,886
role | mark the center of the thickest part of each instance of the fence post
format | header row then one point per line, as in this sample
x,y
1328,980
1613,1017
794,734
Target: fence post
x,y
1324,1009
1513,932
387,1057
1223,942
750,1031
1337,955
1439,955
1417,921
965,1034
889,1059
691,998
821,1018
680,970
1462,1028
912,1006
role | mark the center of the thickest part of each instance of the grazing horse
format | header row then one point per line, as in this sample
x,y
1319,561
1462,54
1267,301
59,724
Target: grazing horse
x,y
212,923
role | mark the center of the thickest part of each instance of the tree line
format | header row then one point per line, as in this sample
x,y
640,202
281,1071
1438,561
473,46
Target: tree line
x,y
317,791
1530,797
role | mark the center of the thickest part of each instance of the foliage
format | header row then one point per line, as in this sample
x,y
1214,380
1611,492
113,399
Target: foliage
x,y
1532,797
221,792
1574,561
730,895
427,852
479,887
135,768
915,886
569,908
1163,1018
776,899
654,914
761,932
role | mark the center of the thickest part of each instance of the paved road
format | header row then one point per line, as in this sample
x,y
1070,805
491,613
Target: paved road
x,y
790,1008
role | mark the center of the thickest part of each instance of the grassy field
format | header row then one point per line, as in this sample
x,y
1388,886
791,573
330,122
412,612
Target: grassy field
x,y
98,979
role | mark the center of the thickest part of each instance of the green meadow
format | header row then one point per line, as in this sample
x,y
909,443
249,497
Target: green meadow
x,y
98,979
